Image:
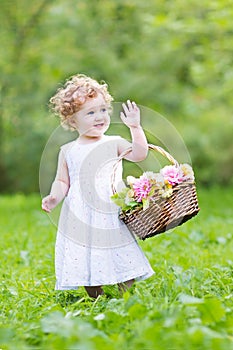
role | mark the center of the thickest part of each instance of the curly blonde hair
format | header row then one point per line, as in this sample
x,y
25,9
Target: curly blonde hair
x,y
75,92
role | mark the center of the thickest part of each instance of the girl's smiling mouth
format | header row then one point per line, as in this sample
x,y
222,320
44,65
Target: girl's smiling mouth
x,y
99,125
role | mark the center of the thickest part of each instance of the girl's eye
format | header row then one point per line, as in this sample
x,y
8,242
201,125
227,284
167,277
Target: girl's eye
x,y
90,113
103,110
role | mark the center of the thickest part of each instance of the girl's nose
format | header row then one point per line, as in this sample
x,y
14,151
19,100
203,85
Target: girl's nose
x,y
98,116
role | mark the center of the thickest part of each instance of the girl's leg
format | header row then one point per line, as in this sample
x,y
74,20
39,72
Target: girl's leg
x,y
125,285
94,292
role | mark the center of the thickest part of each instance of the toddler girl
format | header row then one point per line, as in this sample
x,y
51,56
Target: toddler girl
x,y
93,247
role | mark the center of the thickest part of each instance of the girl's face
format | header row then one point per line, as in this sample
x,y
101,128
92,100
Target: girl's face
x,y
93,120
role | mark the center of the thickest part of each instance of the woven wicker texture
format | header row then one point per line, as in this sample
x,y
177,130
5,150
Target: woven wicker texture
x,y
163,214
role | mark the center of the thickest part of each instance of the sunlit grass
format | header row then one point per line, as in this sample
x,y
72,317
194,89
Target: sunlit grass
x,y
187,304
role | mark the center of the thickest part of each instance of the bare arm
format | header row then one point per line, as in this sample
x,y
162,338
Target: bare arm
x,y
59,187
131,118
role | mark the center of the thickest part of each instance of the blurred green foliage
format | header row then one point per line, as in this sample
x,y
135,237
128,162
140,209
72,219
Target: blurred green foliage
x,y
172,56
186,305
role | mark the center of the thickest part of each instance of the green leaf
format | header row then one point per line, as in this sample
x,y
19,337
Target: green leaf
x,y
137,311
133,204
145,203
118,201
211,310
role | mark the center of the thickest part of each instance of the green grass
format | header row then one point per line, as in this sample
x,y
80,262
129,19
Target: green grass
x,y
187,304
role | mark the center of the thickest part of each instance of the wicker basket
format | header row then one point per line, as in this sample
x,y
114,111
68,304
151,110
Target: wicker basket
x,y
163,214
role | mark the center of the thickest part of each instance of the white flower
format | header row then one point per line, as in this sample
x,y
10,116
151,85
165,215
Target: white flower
x,y
159,179
187,171
129,197
166,193
130,180
155,178
149,175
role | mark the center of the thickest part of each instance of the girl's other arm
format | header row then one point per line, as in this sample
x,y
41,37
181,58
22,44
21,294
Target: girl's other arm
x,y
59,187
131,118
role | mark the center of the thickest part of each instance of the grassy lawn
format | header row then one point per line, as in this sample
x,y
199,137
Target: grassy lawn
x,y
187,304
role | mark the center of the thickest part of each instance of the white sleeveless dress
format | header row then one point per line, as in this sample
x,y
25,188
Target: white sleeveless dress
x,y
93,247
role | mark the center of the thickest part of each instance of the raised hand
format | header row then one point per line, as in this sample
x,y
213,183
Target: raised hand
x,y
131,114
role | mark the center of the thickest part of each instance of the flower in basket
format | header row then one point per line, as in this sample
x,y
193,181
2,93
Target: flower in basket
x,y
156,179
140,191
172,174
188,172
129,197
166,191
141,187
130,180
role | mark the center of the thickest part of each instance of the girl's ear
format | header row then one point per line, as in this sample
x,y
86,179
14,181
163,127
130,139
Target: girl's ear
x,y
72,122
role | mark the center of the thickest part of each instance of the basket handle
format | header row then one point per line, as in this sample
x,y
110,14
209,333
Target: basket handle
x,y
128,150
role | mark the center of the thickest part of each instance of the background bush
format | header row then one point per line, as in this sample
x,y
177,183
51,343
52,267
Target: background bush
x,y
174,57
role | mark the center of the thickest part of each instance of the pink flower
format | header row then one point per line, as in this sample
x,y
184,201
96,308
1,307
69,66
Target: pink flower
x,y
141,188
172,174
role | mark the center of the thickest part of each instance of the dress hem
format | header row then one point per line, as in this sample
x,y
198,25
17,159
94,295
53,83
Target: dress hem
x,y
137,278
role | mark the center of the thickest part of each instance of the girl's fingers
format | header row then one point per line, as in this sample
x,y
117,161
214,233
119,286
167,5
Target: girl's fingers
x,y
45,203
123,116
125,108
129,105
134,105
45,208
129,110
